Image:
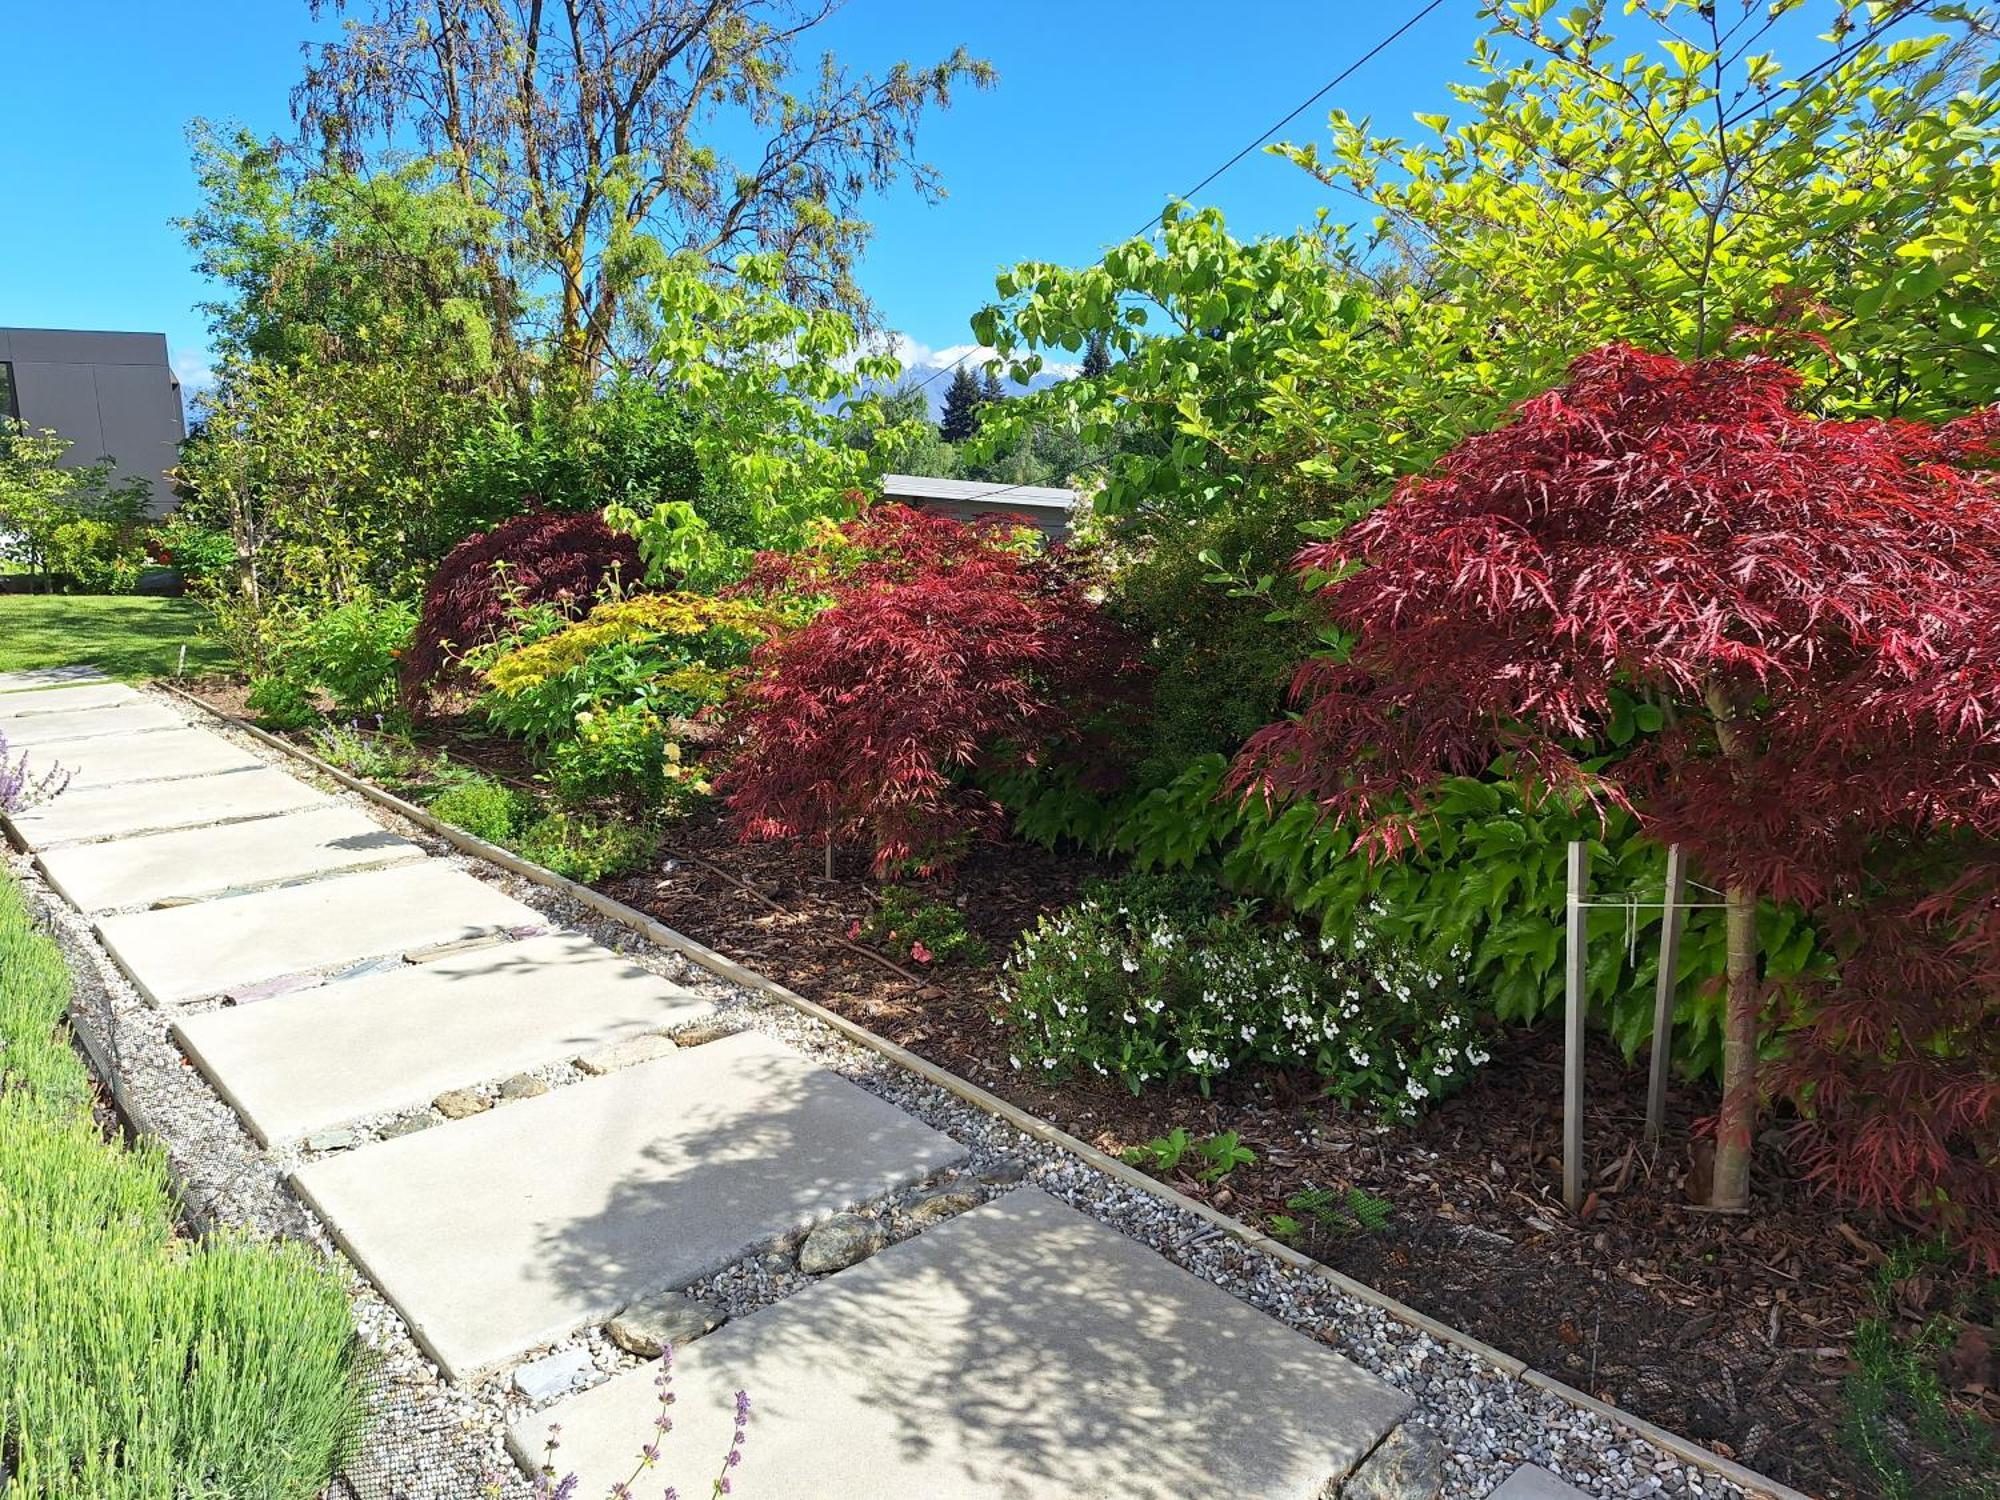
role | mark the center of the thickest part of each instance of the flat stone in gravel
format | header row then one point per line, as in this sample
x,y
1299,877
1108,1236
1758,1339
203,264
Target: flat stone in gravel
x,y
236,941
1532,1483
170,753
1021,1352
29,678
209,861
509,1230
626,1054
396,1040
142,716
647,1327
58,699
553,1374
123,811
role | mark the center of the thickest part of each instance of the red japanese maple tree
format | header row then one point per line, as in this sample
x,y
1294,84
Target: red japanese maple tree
x,y
1817,605
947,649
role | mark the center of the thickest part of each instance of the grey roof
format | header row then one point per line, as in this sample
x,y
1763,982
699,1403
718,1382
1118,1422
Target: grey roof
x,y
919,487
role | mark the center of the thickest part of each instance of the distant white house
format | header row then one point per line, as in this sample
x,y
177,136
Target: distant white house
x,y
969,499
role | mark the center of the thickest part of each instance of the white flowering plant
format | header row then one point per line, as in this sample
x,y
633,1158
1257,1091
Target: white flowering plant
x,y
1153,978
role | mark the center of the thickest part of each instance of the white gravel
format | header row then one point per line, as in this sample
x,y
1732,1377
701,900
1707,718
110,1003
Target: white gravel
x,y
432,1441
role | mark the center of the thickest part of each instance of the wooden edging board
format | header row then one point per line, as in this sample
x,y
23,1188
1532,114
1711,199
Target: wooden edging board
x,y
666,937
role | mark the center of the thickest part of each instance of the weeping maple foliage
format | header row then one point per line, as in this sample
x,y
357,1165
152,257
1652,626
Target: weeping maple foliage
x,y
1815,607
542,557
947,650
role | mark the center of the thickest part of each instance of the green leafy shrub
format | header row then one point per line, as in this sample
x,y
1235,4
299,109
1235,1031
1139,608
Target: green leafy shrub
x,y
203,555
931,932
352,649
96,556
347,652
624,752
1147,979
140,1365
482,807
583,848
282,702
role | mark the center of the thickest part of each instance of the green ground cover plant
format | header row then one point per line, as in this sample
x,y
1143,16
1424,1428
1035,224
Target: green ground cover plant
x,y
135,1363
929,931
1903,1427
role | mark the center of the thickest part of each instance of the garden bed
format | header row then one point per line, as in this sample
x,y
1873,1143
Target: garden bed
x,y
1738,1332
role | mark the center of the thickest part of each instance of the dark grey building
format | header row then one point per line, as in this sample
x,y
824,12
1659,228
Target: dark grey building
x,y
113,395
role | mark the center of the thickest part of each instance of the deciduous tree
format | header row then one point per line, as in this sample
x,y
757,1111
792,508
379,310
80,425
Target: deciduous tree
x,y
587,132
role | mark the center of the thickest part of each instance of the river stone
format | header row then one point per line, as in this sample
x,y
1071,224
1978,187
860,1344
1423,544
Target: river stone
x,y
459,1104
840,1242
408,1125
1409,1465
523,1086
647,1328
553,1375
332,1140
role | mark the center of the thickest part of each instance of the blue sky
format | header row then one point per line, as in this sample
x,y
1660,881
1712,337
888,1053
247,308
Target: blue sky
x,y
1104,109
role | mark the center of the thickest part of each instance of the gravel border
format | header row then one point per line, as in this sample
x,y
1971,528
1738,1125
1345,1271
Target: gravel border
x,y
430,1440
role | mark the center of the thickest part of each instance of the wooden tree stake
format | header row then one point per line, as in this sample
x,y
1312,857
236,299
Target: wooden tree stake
x,y
1671,920
1575,994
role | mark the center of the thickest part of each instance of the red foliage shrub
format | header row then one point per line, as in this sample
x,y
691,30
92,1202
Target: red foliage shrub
x,y
946,651
1818,604
539,558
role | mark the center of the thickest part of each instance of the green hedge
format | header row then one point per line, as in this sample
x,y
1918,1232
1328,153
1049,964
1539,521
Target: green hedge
x,y
136,1364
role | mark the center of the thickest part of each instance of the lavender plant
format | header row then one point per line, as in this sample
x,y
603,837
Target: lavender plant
x,y
549,1487
21,789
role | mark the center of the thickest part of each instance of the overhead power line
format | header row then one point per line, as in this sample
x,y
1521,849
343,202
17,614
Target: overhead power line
x,y
1305,104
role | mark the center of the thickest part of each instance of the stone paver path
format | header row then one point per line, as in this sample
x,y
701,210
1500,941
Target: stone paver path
x,y
387,1042
42,677
1021,1350
211,861
1018,1351
513,1228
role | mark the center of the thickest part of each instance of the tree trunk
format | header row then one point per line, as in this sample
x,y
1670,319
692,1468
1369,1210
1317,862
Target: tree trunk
x,y
1736,1124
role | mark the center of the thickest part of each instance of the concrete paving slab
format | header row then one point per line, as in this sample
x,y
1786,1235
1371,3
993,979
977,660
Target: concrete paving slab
x,y
30,678
501,1232
1532,1483
125,810
1022,1351
186,952
65,699
166,754
205,862
136,718
331,1055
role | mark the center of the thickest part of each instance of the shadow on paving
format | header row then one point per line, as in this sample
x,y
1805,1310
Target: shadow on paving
x,y
1021,1350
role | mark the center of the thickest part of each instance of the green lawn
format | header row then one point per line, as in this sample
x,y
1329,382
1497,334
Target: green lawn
x,y
130,637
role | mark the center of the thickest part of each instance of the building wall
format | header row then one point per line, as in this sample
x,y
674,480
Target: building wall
x,y
113,395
